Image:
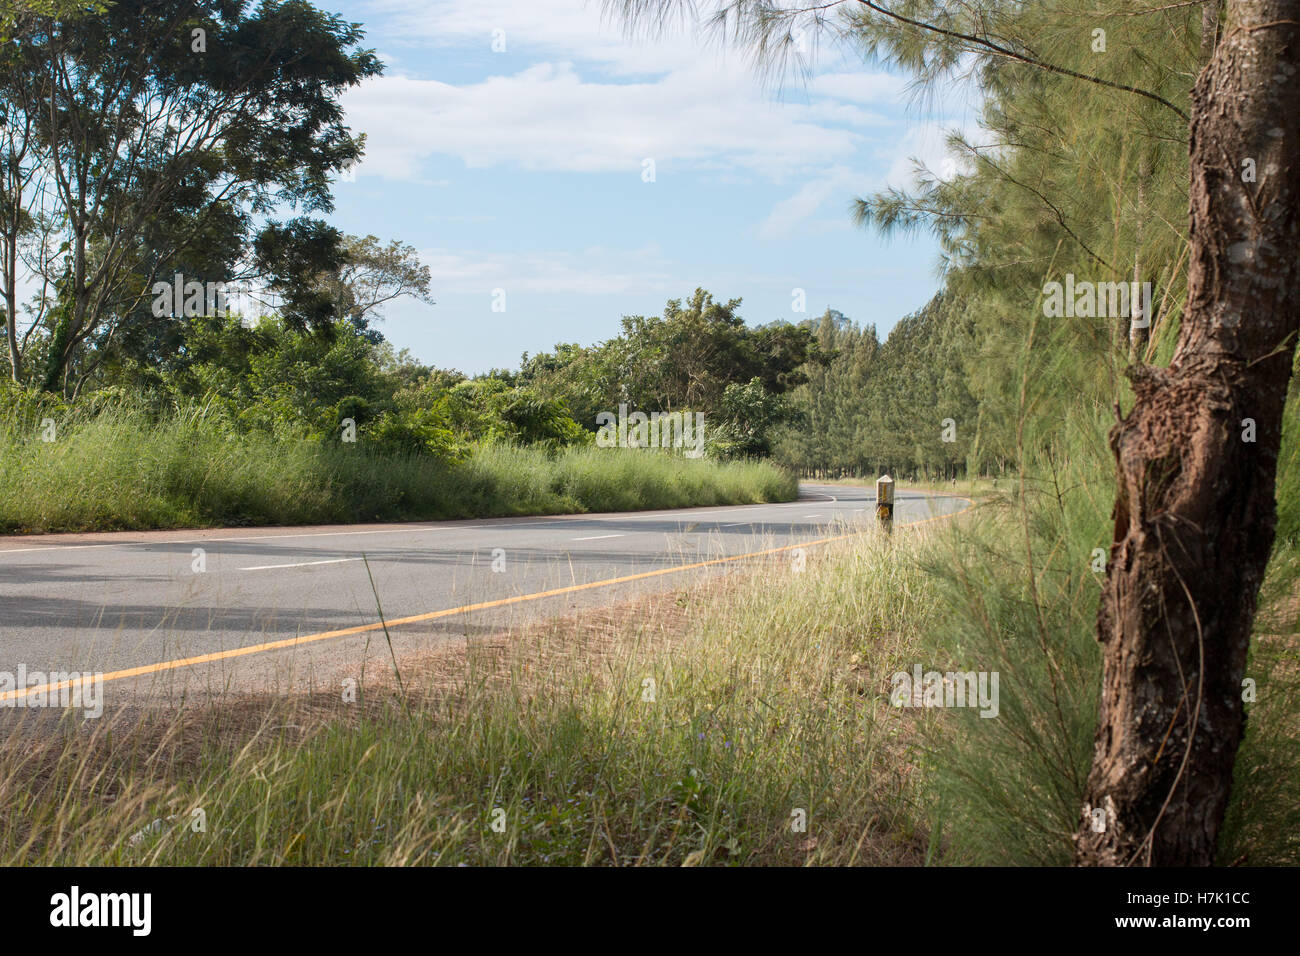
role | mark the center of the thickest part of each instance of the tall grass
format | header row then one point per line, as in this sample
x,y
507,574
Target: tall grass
x,y
1263,821
121,468
743,721
1020,595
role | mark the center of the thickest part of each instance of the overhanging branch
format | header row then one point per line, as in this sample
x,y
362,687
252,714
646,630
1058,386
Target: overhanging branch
x,y
1010,54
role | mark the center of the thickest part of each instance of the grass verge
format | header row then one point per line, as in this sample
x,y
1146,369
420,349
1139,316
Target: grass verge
x,y
127,471
745,720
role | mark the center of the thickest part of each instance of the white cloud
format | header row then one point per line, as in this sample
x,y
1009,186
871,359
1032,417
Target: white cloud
x,y
838,182
594,271
563,29
547,117
926,143
859,87
576,94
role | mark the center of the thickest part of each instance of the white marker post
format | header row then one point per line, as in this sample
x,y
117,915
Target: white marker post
x,y
885,502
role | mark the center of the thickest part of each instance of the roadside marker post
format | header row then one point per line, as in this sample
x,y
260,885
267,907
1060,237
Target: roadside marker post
x,y
885,502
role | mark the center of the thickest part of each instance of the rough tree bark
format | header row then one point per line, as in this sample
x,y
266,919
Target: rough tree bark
x,y
1194,511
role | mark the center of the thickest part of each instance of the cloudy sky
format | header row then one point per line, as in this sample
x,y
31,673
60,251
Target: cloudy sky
x,y
525,170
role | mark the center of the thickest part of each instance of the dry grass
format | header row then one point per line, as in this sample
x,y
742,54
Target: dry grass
x,y
768,705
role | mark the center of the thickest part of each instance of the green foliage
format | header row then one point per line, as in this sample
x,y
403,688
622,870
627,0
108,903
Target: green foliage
x,y
120,466
688,358
492,410
1019,588
18,17
746,418
267,422
877,408
147,159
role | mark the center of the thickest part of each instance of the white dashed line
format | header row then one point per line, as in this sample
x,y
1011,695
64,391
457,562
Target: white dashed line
x,y
300,564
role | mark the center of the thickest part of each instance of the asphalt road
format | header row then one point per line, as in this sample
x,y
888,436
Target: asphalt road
x,y
256,609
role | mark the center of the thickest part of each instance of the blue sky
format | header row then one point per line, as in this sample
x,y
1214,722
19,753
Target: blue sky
x,y
523,170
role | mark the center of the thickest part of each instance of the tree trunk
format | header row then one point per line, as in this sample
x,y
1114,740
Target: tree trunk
x,y
11,337
1139,329
1194,511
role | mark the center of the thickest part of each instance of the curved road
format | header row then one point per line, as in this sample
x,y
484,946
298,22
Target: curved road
x,y
203,611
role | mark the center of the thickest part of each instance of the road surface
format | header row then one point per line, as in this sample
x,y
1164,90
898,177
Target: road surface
x,y
167,612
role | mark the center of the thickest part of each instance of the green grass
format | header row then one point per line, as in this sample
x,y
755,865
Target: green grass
x,y
1021,593
770,699
123,469
1263,820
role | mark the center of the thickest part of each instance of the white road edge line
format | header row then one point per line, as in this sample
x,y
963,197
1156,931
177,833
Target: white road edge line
x,y
539,519
595,537
531,522
300,564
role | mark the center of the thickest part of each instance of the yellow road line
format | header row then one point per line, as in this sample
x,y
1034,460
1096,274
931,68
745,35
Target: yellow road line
x,y
447,612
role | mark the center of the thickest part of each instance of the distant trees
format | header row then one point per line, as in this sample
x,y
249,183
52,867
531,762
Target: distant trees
x,y
699,355
687,357
824,396
272,375
273,379
902,406
372,275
